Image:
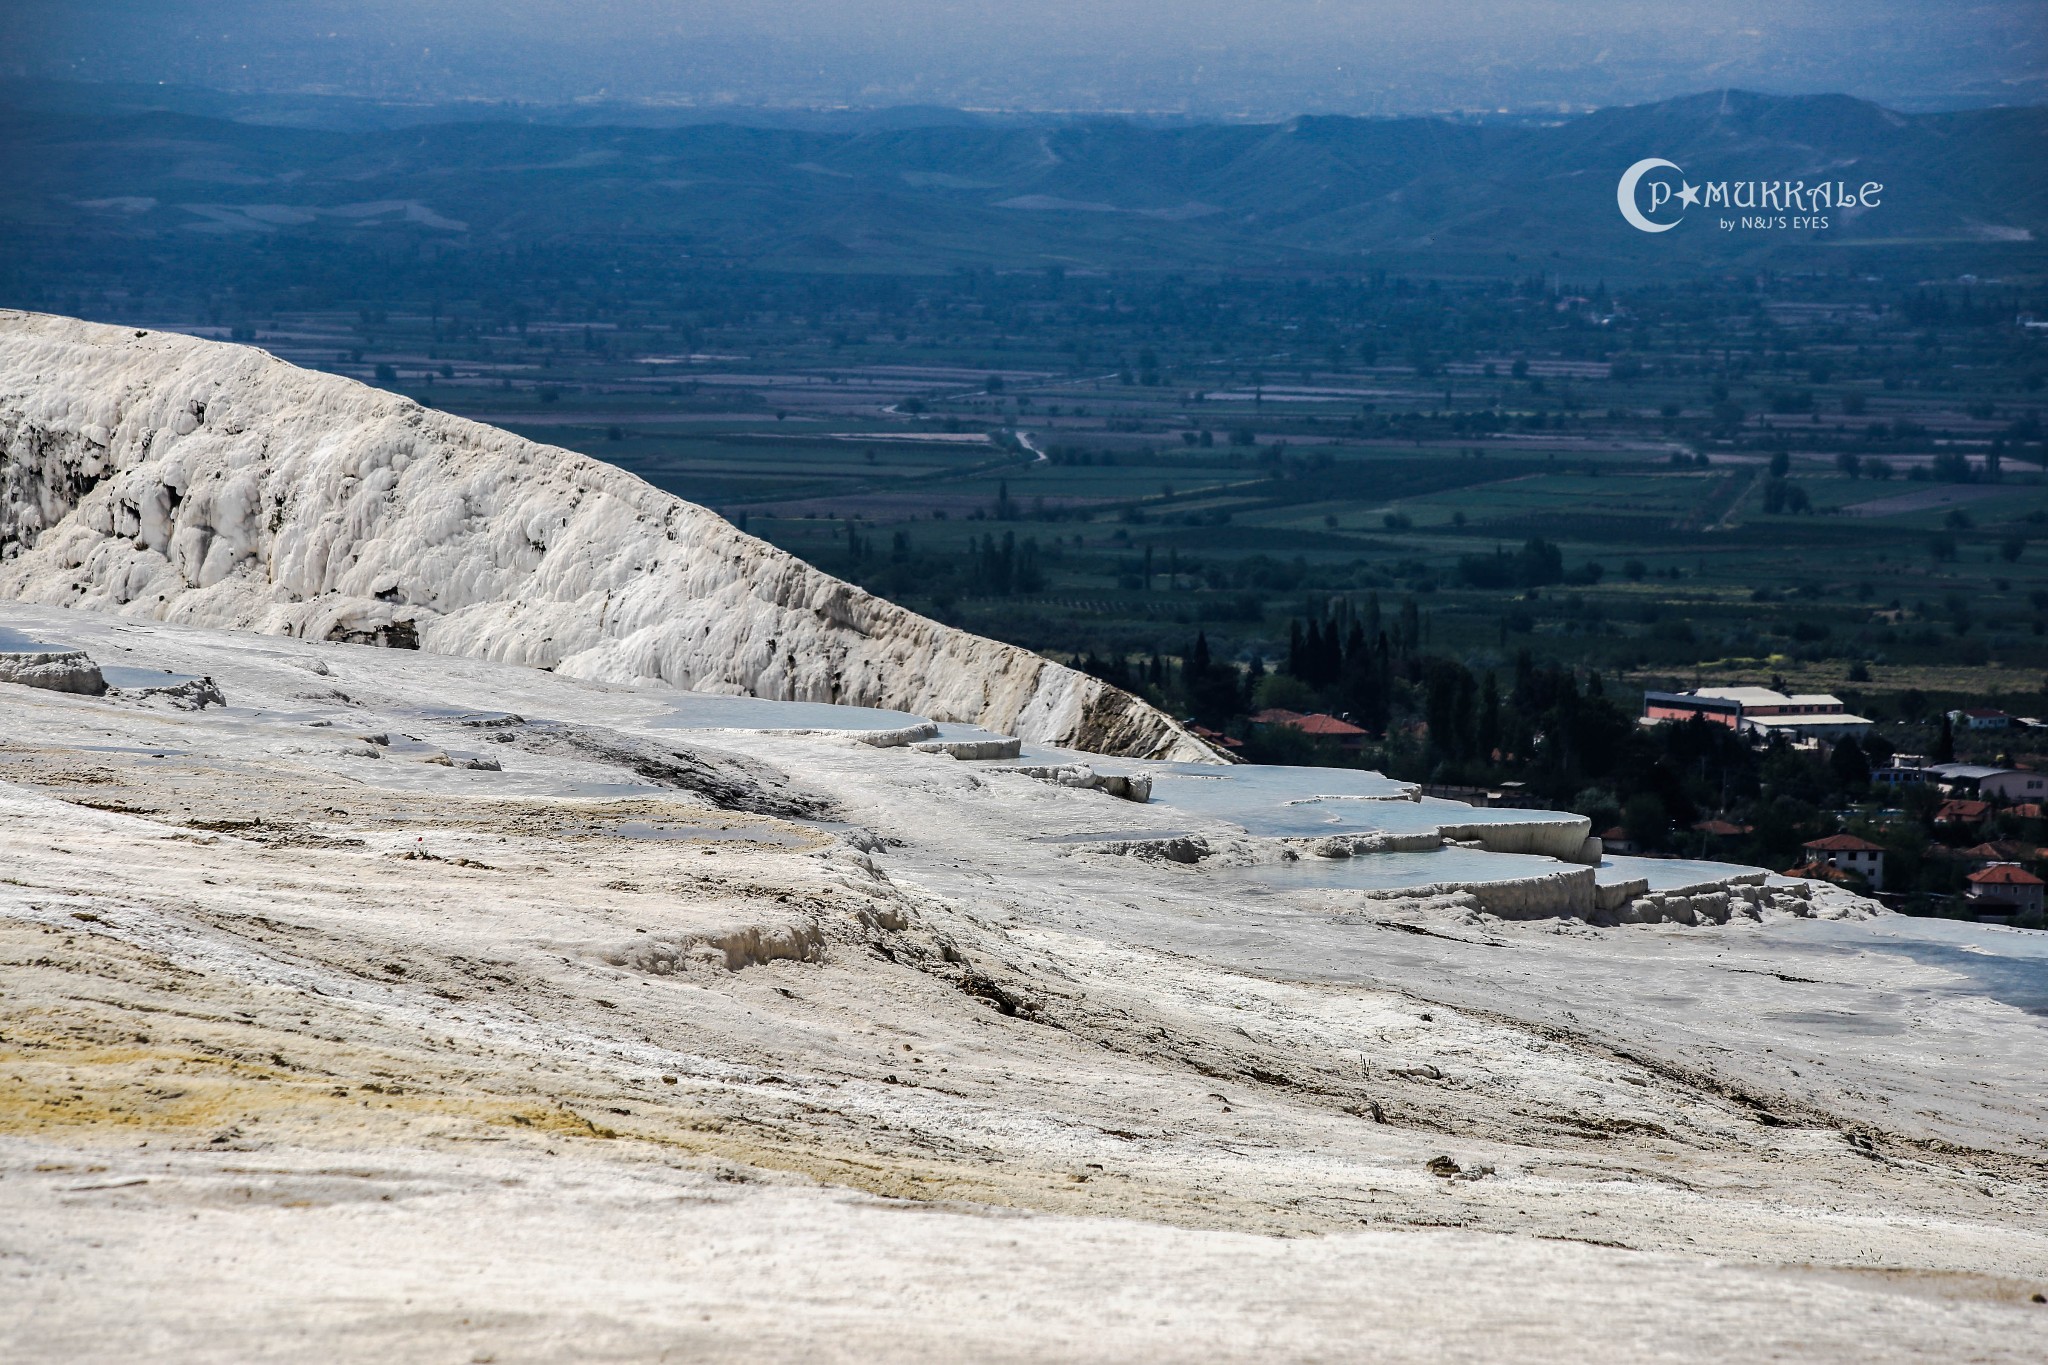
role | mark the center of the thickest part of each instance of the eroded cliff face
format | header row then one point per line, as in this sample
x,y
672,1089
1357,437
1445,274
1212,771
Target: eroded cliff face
x,y
152,474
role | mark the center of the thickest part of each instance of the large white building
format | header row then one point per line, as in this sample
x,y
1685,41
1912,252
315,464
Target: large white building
x,y
1758,712
2008,786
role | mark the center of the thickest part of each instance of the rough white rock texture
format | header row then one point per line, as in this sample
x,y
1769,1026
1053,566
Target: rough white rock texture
x,y
752,1045
1558,836
1005,747
156,475
64,670
1128,786
1746,897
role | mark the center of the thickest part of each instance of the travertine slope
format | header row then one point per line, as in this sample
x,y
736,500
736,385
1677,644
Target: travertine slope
x,y
395,1003
156,475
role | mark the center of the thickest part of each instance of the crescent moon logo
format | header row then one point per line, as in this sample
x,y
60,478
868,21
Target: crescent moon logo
x,y
1625,194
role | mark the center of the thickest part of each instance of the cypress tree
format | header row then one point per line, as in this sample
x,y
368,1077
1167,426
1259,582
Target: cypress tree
x,y
1465,712
1489,718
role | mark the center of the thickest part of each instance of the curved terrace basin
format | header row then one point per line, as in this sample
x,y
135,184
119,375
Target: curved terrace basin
x,y
1670,874
705,711
1293,803
136,679
1403,871
1986,960
14,642
1312,803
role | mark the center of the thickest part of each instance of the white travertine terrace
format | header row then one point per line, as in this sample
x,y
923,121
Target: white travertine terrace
x,y
157,475
426,1006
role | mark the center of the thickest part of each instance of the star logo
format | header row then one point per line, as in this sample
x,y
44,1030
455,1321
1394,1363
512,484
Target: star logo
x,y
1689,195
1660,193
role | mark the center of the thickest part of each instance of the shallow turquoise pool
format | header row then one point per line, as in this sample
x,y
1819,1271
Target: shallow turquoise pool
x,y
704,711
1400,871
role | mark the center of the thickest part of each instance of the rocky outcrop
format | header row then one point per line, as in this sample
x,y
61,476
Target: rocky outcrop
x,y
1550,833
61,670
1569,891
1125,786
997,746
155,475
1745,896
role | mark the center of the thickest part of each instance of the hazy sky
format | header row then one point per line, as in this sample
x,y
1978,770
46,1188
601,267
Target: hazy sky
x,y
1203,56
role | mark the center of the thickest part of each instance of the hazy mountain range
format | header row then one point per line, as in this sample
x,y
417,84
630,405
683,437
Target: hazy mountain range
x,y
924,189
1208,58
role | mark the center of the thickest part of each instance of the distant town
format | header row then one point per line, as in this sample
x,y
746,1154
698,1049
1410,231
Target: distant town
x,y
1923,833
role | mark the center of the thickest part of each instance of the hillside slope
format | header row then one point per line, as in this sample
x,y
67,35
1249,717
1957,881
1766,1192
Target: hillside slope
x,y
1316,193
155,475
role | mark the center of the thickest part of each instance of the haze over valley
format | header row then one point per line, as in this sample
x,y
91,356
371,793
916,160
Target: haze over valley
x,y
897,681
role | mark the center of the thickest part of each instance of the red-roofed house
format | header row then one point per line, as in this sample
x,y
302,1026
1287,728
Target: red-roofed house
x,y
1818,871
1962,812
1329,727
1850,854
1216,737
2005,889
1614,839
1722,829
1315,725
2002,851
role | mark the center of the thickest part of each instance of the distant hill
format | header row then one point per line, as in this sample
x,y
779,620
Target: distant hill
x,y
923,189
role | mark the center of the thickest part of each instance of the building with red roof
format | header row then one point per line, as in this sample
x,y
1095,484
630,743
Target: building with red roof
x,y
1316,725
2000,851
1815,870
1962,812
1848,853
2004,889
1614,839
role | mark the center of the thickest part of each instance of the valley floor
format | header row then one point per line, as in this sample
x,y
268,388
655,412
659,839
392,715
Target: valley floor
x,y
417,1007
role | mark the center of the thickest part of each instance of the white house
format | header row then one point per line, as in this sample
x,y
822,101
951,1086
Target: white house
x,y
1848,853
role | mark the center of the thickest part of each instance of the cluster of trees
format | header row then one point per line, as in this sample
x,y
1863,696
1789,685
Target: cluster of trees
x,y
1195,684
1782,496
998,569
1537,564
1431,717
992,566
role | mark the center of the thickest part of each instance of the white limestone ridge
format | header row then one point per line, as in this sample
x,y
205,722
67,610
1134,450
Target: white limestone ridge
x,y
152,474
